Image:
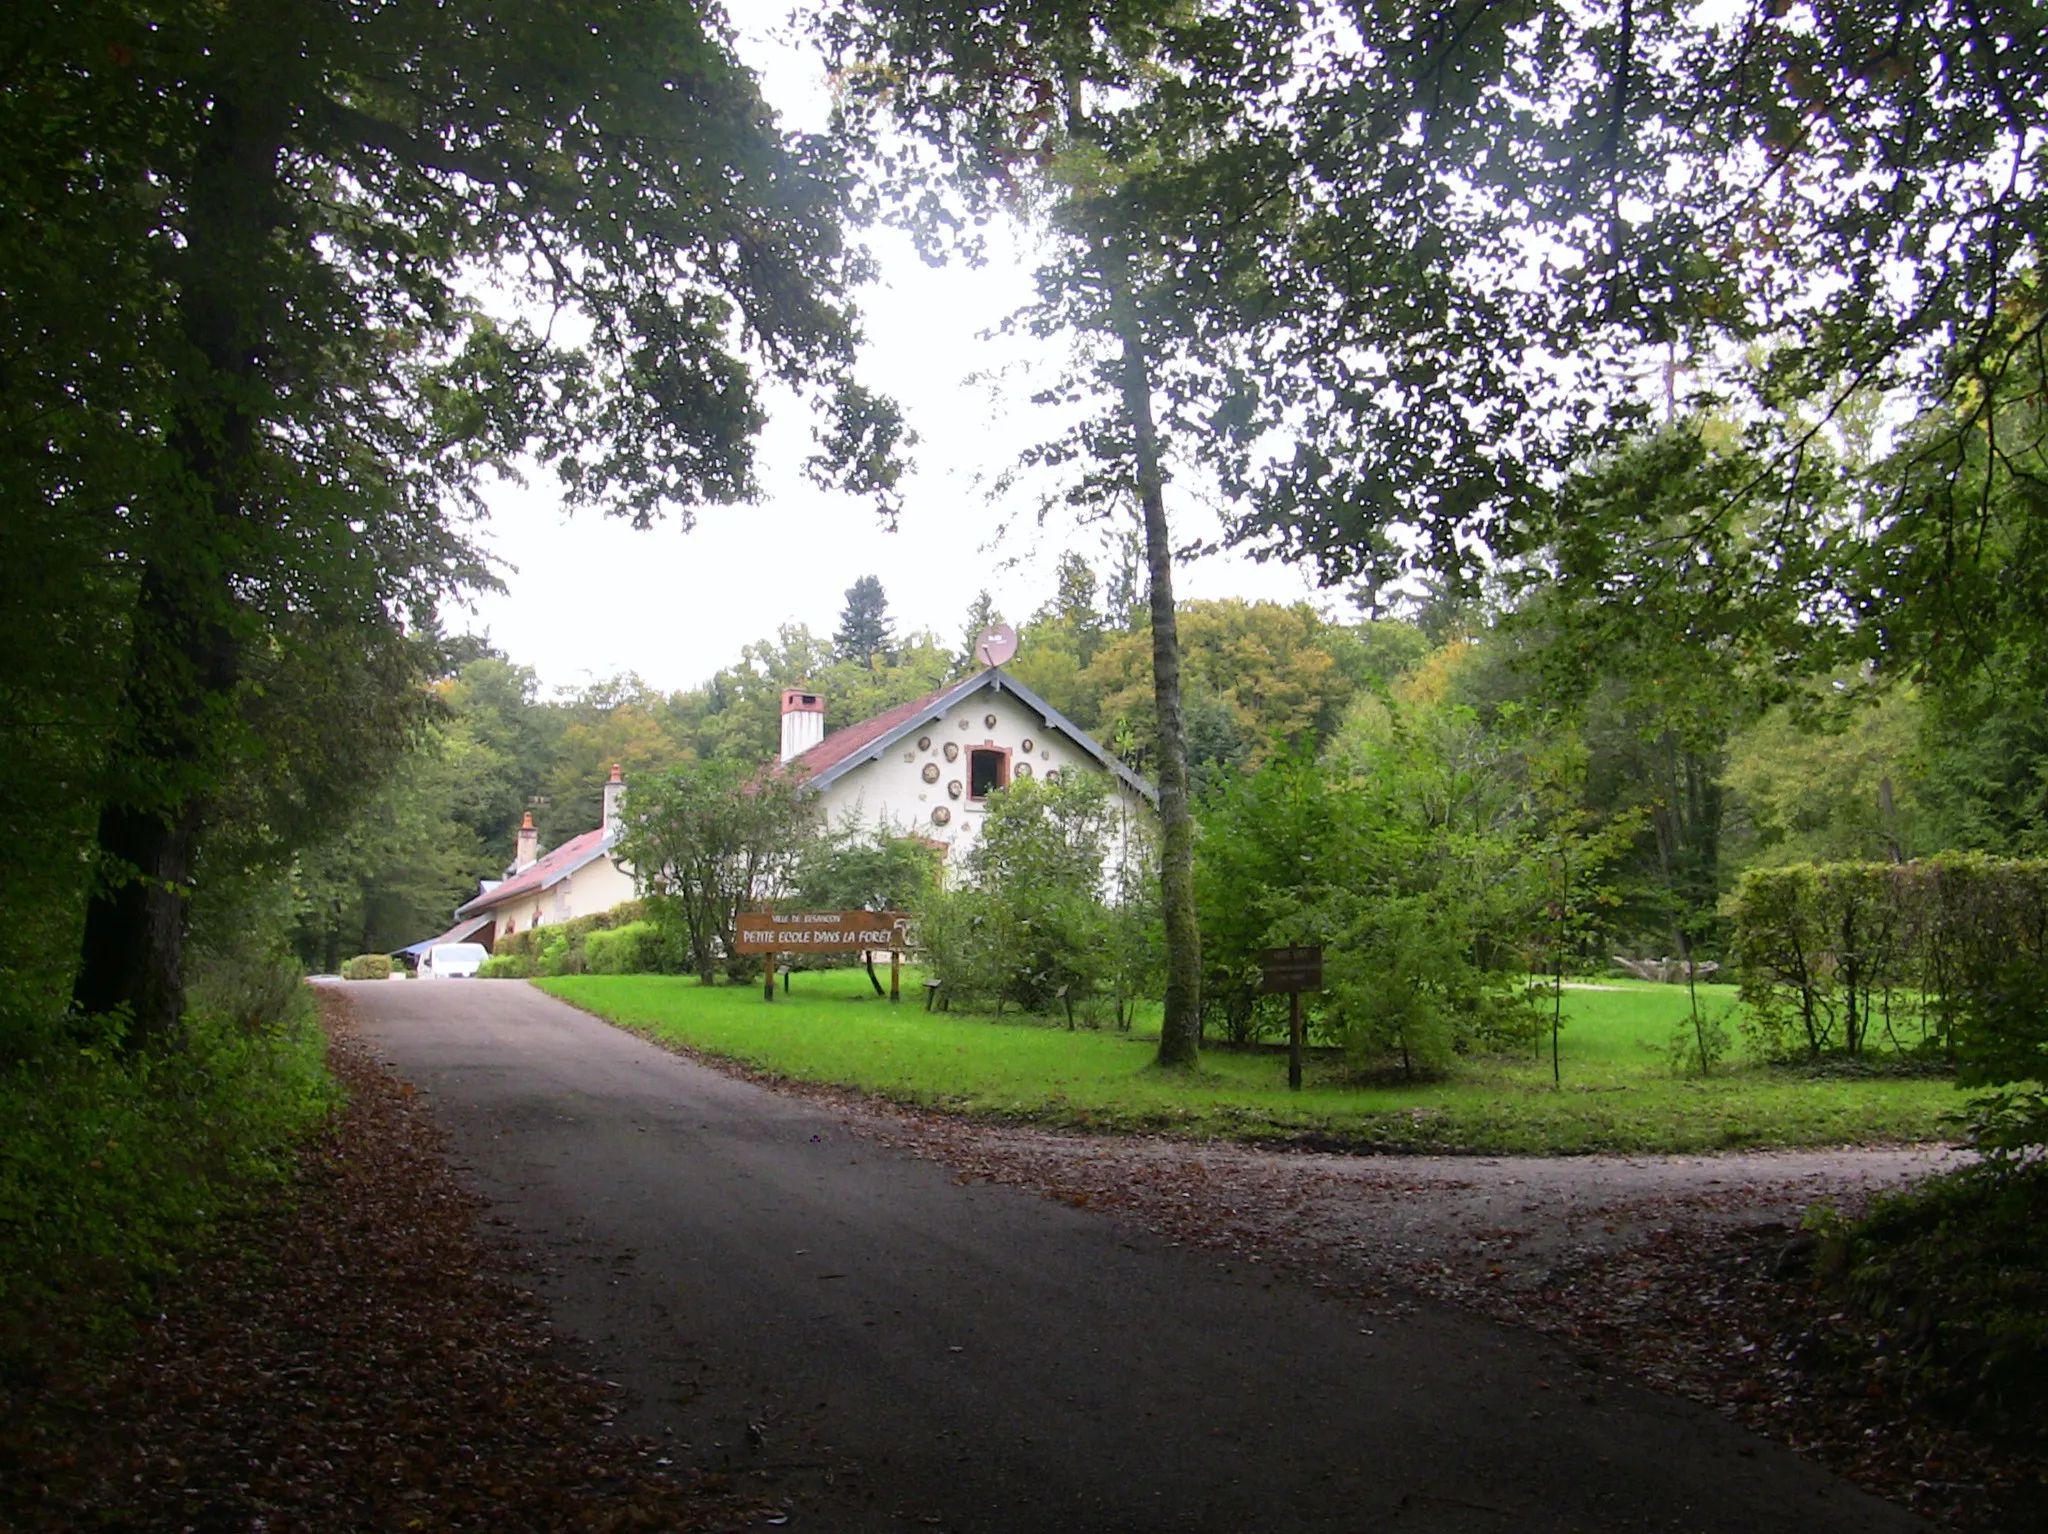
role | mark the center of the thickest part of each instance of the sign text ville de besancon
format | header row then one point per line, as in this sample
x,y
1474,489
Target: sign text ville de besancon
x,y
821,931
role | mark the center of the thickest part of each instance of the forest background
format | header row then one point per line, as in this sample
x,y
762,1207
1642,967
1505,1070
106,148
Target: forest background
x,y
1684,783
1668,384
1715,407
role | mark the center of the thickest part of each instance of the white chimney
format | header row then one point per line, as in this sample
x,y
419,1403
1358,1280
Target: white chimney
x,y
528,852
803,721
614,797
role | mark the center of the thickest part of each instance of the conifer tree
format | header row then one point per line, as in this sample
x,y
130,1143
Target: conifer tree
x,y
981,616
865,627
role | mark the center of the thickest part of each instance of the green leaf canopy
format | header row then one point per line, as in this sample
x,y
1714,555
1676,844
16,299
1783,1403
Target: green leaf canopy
x,y
281,282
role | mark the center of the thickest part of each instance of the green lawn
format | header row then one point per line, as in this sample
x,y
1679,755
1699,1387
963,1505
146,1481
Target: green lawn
x,y
1619,1092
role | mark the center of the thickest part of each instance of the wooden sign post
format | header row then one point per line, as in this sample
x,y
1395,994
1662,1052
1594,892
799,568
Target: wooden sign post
x,y
1293,970
771,932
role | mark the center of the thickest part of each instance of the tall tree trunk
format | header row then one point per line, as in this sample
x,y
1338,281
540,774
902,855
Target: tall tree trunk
x,y
1180,1030
180,680
183,661
131,956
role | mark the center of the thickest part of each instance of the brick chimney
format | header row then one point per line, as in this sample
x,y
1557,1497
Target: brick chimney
x,y
528,852
614,798
803,721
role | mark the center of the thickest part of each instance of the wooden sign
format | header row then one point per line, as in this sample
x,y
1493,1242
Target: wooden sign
x,y
1292,969
821,931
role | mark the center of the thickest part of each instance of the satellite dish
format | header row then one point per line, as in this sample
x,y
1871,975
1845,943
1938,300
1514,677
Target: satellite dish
x,y
997,644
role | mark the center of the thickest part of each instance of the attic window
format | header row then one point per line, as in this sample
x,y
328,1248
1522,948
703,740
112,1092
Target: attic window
x,y
987,771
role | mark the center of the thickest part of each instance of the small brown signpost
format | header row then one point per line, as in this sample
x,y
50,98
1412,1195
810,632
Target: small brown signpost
x,y
772,932
1292,971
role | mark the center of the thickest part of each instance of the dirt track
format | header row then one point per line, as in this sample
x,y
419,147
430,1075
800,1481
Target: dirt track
x,y
875,1329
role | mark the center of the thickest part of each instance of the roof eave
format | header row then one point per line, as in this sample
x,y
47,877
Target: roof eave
x,y
874,750
554,878
1059,721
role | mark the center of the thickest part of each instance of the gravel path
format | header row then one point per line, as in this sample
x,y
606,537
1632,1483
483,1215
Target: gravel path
x,y
1466,1226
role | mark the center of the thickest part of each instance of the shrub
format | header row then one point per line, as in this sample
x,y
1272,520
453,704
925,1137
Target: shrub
x,y
561,953
367,966
1836,956
1700,1041
246,986
113,1159
1974,917
1956,1271
851,868
117,1155
558,949
1820,953
1403,986
1029,927
2002,1043
711,839
1417,919
634,949
964,933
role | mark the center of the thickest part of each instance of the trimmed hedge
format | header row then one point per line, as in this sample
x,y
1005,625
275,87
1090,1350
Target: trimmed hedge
x,y
623,936
634,949
367,966
1843,957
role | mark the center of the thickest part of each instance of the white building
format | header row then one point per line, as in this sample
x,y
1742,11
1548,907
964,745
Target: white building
x,y
578,878
926,768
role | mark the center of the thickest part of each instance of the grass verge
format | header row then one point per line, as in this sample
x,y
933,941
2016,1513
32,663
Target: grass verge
x,y
1618,1092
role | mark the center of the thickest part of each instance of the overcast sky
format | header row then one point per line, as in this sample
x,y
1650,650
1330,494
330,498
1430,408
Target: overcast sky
x,y
588,599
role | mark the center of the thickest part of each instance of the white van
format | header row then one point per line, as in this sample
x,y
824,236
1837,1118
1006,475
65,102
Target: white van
x,y
452,961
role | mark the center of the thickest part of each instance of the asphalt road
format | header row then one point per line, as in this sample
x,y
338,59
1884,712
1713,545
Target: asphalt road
x,y
889,1349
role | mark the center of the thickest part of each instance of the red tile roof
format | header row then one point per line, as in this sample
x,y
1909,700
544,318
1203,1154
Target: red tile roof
x,y
565,859
840,744
842,751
